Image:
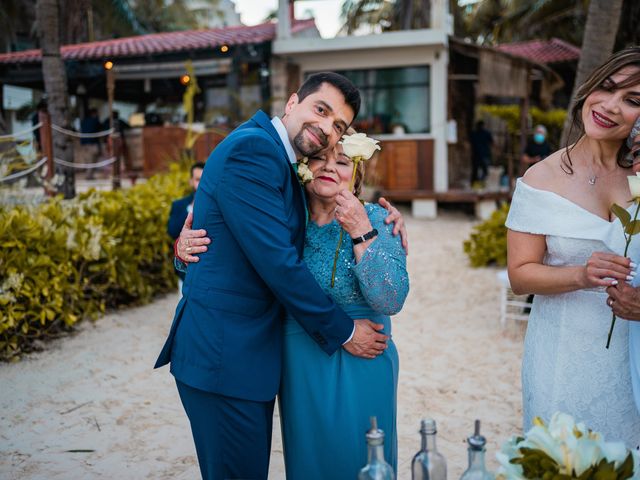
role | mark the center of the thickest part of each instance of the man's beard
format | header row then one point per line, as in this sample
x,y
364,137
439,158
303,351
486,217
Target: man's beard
x,y
305,146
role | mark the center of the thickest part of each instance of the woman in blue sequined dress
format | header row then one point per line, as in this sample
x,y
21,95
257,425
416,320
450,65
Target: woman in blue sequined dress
x,y
326,402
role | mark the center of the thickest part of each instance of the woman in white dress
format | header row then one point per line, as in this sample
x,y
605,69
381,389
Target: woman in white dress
x,y
566,247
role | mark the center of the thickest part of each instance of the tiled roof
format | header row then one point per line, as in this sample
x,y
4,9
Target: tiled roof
x,y
543,51
159,43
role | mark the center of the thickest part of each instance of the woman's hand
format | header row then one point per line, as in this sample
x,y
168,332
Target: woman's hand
x,y
606,269
351,215
191,242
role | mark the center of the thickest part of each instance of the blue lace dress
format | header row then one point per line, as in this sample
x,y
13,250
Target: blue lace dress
x,y
326,402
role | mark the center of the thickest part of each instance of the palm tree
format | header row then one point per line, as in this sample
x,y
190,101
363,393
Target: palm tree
x,y
597,44
384,15
498,21
628,31
55,84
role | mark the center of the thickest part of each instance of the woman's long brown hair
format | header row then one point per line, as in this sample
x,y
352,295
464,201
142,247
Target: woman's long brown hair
x,y
629,57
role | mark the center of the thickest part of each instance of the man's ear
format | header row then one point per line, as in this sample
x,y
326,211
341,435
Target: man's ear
x,y
292,102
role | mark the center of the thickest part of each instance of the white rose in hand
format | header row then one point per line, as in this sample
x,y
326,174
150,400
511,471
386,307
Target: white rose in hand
x,y
634,185
359,145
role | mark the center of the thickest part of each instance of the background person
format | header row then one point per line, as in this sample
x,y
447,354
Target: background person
x,y
90,149
181,208
537,149
481,143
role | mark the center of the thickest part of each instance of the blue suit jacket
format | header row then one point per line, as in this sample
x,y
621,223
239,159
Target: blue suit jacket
x,y
226,335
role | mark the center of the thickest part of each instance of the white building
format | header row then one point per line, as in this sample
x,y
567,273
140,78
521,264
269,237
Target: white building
x,y
402,77
221,14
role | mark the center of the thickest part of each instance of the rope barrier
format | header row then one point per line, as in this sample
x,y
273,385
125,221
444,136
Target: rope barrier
x,y
24,172
23,132
86,166
71,133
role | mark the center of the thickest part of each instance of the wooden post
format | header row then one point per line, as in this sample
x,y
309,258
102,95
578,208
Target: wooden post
x,y
46,146
524,122
112,148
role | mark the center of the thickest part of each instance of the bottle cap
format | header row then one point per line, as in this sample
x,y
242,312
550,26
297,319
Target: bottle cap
x,y
375,436
428,425
477,441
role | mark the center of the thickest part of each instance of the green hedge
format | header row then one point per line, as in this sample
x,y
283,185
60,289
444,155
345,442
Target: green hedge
x,y
487,244
67,260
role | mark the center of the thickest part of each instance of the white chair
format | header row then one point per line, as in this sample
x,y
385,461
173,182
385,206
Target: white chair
x,y
511,306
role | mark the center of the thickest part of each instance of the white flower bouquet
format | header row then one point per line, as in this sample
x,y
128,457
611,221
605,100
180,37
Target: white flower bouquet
x,y
565,450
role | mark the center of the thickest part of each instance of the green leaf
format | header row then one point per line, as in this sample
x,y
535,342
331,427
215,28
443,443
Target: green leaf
x,y
621,213
632,228
626,469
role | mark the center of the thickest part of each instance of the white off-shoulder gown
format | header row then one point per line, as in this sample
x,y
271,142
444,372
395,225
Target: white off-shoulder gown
x,y
566,366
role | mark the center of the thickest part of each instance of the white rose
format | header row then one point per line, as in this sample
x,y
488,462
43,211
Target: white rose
x,y
359,145
634,185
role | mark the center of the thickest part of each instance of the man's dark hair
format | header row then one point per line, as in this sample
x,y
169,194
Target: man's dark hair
x,y
348,89
479,124
197,165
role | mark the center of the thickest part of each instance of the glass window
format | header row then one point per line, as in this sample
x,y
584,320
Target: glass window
x,y
393,97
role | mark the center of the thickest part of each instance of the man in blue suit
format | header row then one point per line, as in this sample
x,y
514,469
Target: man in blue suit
x,y
225,341
182,207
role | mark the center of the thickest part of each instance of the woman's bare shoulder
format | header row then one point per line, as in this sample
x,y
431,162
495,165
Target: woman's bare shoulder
x,y
547,173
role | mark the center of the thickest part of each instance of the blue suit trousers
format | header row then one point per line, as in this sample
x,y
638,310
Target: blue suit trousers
x,y
232,436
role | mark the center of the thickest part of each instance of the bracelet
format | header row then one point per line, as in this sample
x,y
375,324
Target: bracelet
x,y
175,251
365,237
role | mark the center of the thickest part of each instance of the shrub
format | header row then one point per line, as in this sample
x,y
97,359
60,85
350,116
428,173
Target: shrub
x,y
488,242
67,260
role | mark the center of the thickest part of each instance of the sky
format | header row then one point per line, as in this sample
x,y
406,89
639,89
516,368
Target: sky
x,y
326,12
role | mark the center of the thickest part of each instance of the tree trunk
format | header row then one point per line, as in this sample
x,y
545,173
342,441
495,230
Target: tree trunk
x,y
597,45
55,85
406,12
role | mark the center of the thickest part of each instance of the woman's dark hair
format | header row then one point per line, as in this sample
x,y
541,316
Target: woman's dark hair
x,y
629,57
348,89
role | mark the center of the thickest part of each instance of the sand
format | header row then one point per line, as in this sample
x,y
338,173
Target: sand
x,y
91,406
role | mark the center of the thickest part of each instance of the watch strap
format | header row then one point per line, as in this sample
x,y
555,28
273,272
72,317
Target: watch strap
x,y
365,237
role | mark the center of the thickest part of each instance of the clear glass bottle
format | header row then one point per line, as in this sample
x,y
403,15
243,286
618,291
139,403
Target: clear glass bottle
x,y
428,463
476,470
376,468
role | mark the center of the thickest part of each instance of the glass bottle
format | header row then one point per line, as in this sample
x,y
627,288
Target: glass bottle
x,y
428,463
476,470
376,468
